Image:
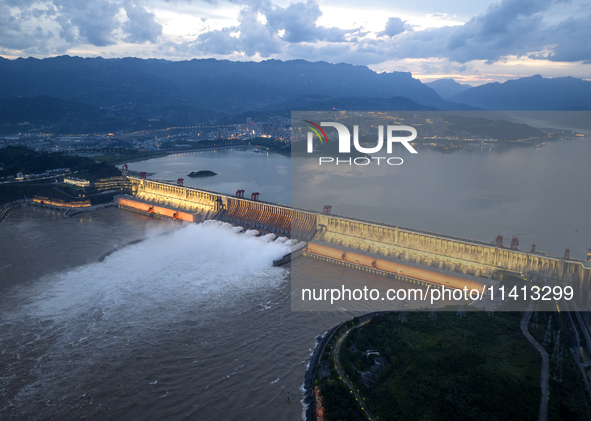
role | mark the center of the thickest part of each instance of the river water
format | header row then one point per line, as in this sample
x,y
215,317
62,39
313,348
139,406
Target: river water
x,y
194,322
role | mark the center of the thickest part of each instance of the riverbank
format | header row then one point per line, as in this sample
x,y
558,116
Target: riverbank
x,y
207,148
319,352
466,357
310,373
127,157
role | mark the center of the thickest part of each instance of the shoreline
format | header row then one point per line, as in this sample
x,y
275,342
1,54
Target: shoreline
x,y
315,358
166,152
309,376
208,148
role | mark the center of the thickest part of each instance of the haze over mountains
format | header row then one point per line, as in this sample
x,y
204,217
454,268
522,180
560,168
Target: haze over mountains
x,y
530,94
446,88
129,92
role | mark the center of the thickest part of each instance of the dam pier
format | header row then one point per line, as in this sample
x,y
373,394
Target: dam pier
x,y
330,234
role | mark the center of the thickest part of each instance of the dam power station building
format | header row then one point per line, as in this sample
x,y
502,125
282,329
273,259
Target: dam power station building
x,y
474,259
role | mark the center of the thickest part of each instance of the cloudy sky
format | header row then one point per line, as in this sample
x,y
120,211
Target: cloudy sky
x,y
472,41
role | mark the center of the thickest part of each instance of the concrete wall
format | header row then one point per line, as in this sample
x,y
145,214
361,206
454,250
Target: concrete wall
x,y
254,214
170,195
405,271
155,209
452,253
271,217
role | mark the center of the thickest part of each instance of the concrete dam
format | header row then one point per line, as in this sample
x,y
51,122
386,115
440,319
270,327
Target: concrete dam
x,y
458,255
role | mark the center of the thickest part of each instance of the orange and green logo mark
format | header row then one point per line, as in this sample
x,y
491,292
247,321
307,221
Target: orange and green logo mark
x,y
316,131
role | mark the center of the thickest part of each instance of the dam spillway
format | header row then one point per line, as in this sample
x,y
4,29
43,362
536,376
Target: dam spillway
x,y
459,255
204,204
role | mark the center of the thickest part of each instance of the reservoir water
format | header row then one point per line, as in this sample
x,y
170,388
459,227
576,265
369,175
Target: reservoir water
x,y
266,173
194,322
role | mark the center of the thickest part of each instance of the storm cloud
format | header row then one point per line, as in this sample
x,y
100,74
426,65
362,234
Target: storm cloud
x,y
91,21
26,26
394,26
141,26
298,23
506,28
262,28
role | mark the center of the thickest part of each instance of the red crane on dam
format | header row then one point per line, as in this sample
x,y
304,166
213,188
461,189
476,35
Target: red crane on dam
x,y
180,182
240,193
255,196
499,240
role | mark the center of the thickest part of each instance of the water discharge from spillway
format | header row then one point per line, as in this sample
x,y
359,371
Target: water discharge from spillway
x,y
145,303
194,265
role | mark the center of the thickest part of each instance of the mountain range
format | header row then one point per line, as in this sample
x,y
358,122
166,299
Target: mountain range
x,y
533,93
129,91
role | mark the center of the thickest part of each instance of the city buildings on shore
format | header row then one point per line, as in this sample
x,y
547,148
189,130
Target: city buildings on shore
x,y
168,138
77,181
